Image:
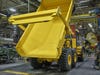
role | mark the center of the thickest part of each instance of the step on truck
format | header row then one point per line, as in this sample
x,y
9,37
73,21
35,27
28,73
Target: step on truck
x,y
44,39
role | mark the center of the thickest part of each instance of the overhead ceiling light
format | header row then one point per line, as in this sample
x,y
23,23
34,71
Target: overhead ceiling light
x,y
82,7
84,1
90,25
12,9
80,26
3,14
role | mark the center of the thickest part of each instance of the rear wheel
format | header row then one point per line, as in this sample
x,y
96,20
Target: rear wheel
x,y
74,59
35,64
65,60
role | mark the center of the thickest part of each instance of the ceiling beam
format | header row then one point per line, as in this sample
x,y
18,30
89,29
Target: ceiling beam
x,y
31,3
14,1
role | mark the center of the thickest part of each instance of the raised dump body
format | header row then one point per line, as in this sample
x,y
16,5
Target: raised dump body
x,y
45,33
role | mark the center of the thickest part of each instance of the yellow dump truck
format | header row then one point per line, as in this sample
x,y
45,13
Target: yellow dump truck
x,y
44,39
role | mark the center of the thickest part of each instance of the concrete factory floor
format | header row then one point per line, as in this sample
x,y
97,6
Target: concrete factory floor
x,y
82,68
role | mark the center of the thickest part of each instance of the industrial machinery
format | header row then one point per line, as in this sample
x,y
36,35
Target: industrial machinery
x,y
91,37
84,25
79,46
77,43
45,38
7,54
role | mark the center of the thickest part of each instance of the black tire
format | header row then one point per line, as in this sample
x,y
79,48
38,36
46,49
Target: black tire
x,y
74,59
81,57
99,65
63,61
99,60
47,63
35,64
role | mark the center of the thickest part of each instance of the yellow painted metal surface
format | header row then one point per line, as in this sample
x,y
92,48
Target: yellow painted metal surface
x,y
15,72
34,17
74,43
68,43
44,36
69,59
79,50
21,27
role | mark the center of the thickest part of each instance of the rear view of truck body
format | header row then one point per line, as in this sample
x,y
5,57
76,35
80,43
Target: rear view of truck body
x,y
43,38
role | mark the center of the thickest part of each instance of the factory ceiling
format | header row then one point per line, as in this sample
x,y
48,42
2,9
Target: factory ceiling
x,y
18,6
9,7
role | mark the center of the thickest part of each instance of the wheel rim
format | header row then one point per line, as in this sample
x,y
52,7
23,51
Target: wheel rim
x,y
75,58
69,60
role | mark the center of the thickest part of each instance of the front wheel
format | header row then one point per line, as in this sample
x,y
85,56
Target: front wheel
x,y
74,59
65,60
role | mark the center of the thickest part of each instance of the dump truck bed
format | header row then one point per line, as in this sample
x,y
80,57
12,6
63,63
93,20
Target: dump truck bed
x,y
44,38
